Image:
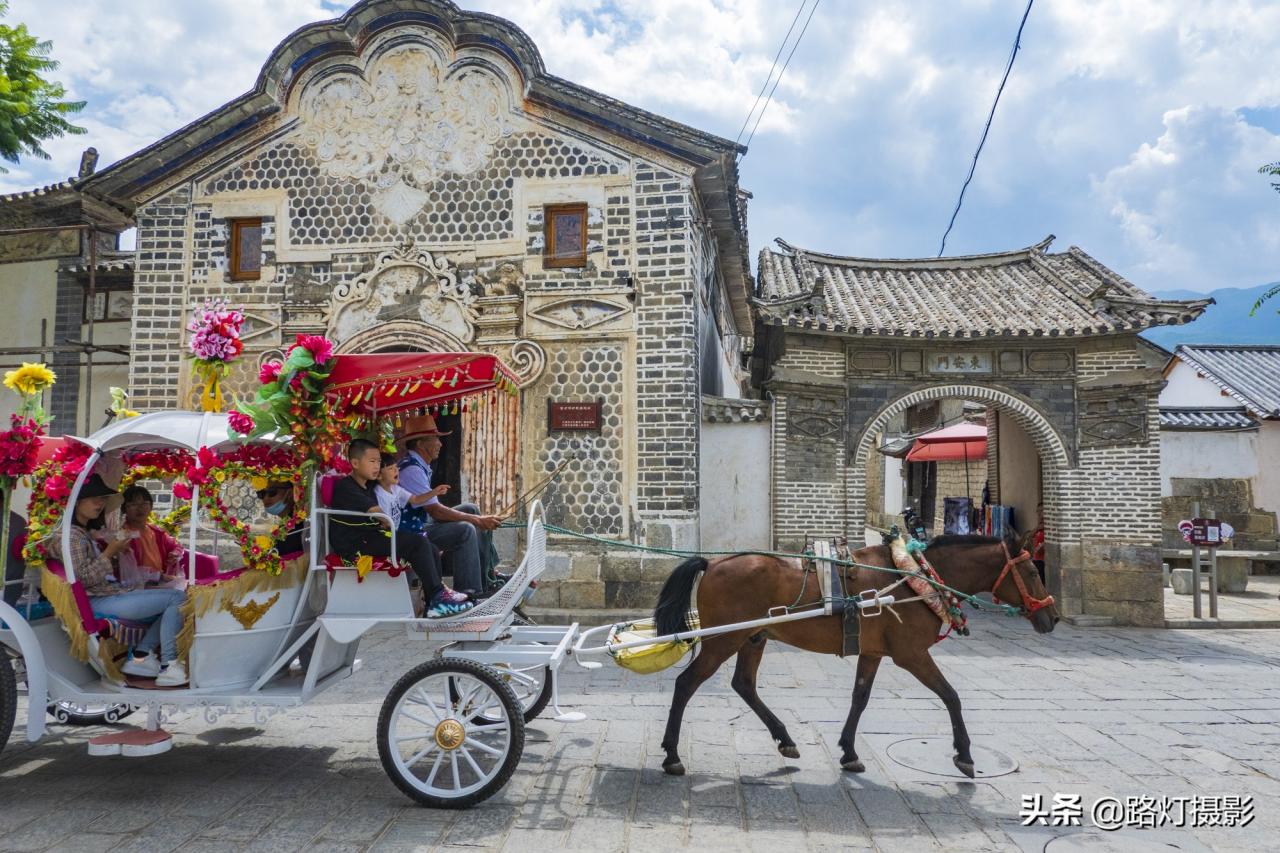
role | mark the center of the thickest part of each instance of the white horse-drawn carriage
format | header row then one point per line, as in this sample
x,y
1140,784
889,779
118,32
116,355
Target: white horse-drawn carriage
x,y
451,730
271,634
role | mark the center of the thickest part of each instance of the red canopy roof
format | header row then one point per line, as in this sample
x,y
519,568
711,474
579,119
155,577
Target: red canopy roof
x,y
952,444
386,383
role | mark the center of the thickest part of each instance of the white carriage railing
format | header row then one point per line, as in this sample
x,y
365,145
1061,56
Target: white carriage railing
x,y
500,605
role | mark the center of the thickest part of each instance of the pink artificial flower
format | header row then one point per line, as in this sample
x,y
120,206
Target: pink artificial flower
x,y
269,372
320,347
239,422
181,491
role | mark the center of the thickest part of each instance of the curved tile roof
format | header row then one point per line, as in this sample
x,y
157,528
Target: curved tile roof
x,y
1250,374
1022,292
1182,418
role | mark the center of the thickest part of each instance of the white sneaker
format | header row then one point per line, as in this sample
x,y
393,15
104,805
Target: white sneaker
x,y
145,667
173,675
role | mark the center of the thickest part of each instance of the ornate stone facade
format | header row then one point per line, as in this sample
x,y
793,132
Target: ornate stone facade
x,y
399,160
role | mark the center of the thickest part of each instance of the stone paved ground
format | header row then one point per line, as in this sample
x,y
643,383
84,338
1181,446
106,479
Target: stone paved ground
x,y
1084,711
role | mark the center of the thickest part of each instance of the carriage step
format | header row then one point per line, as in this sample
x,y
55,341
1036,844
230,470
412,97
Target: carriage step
x,y
132,743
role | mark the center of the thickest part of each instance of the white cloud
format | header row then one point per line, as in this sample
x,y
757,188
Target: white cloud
x,y
867,138
1192,204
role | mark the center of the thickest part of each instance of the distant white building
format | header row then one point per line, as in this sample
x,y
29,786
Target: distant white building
x,y
1220,438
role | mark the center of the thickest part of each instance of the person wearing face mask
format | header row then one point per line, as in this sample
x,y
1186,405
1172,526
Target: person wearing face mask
x,y
277,499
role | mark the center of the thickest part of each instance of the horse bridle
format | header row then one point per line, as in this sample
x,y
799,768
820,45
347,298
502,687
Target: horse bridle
x,y
1029,605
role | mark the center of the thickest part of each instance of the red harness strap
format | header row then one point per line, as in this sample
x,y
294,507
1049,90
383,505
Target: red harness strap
x,y
1029,605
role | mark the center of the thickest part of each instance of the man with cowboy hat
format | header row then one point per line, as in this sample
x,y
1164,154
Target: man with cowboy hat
x,y
457,532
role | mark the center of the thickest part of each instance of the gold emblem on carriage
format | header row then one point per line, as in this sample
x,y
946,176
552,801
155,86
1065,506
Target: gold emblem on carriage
x,y
250,612
450,734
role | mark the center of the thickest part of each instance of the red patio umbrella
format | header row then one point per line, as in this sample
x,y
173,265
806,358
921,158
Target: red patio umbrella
x,y
959,443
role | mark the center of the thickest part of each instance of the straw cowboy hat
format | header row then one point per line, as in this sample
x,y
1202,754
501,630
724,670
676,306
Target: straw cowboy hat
x,y
419,426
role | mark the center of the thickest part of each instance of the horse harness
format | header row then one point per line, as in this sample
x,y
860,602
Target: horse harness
x,y
1029,604
824,558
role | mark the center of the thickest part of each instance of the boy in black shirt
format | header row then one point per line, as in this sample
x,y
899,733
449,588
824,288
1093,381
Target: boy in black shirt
x,y
351,537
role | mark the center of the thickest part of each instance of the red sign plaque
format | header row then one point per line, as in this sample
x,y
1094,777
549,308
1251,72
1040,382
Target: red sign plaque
x,y
1206,532
584,417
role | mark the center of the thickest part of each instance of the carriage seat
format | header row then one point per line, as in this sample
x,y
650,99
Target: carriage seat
x,y
332,561
93,624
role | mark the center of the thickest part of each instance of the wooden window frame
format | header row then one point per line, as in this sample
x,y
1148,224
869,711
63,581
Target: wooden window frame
x,y
234,270
105,291
549,252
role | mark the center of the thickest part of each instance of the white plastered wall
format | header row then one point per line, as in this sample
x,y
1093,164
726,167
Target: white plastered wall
x,y
734,479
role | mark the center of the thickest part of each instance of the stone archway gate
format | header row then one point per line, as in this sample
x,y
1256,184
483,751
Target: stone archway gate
x,y
845,344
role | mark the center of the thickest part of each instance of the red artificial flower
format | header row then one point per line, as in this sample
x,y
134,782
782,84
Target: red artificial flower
x,y
182,491
269,372
320,347
239,422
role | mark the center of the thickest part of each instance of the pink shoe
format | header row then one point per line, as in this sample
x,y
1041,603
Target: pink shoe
x,y
450,596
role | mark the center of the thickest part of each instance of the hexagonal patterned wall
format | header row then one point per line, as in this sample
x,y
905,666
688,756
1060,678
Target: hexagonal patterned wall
x,y
587,494
326,211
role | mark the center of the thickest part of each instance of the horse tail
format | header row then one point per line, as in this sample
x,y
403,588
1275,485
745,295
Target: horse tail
x,y
671,614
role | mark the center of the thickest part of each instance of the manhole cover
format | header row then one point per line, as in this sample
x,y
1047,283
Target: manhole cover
x,y
933,755
1095,841
1224,661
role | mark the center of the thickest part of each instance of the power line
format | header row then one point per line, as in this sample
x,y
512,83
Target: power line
x,y
795,45
1017,43
776,57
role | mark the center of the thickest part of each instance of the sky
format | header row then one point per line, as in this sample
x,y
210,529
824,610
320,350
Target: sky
x,y
1131,128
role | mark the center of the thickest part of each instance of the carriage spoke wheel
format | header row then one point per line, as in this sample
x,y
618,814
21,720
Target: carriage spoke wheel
x,y
74,714
532,686
451,733
8,697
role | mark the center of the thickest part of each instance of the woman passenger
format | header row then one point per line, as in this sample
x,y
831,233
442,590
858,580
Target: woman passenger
x,y
156,553
96,573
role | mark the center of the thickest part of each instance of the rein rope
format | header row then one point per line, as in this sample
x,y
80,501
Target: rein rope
x,y
972,600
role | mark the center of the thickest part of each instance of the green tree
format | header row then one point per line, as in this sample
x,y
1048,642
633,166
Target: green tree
x,y
1272,170
32,109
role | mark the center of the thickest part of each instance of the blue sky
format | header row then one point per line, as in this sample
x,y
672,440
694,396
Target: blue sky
x,y
1132,128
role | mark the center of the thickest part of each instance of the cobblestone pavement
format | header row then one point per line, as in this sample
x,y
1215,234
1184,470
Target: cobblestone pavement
x,y
1092,712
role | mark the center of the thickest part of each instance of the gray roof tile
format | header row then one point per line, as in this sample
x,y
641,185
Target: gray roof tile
x,y
1179,418
1022,292
1250,374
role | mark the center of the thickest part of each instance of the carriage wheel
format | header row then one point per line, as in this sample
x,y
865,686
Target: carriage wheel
x,y
451,733
8,697
532,686
73,714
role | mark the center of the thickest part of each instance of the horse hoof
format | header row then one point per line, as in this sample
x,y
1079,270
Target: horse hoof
x,y
965,767
854,766
675,768
789,751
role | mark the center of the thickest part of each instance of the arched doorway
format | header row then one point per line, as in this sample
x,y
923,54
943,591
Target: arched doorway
x,y
1054,457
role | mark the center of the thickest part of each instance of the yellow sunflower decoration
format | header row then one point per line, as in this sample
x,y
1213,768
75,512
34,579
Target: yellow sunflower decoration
x,y
30,379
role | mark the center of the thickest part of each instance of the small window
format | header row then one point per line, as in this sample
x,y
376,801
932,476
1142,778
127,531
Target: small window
x,y
246,249
566,235
109,304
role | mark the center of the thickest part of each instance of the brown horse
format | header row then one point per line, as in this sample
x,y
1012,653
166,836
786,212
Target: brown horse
x,y
745,586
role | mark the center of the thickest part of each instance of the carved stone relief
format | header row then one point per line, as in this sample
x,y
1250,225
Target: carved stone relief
x,y
403,124
1112,417
815,419
578,312
404,284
